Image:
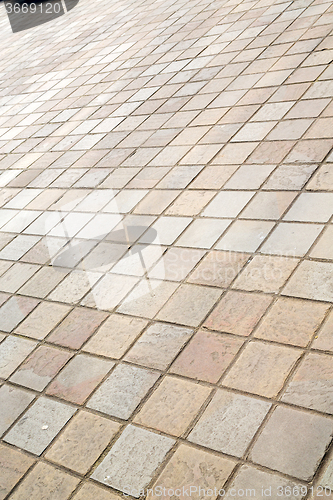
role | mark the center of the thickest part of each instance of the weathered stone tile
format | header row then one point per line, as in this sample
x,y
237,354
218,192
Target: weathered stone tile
x,y
42,320
159,345
173,406
238,313
265,273
218,268
262,369
312,280
39,425
79,378
13,465
115,336
13,402
229,423
77,327
82,442
291,321
14,311
206,356
281,443
13,350
46,483
260,484
40,368
311,386
192,468
123,390
132,460
189,305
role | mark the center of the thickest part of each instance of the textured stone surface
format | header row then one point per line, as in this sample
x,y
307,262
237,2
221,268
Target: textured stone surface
x,y
260,484
115,336
159,345
39,425
189,305
312,280
46,483
82,442
173,406
13,350
262,369
123,390
237,313
189,467
312,384
90,492
206,356
218,268
132,460
325,335
40,367
77,327
229,423
13,465
282,442
13,402
79,378
42,320
291,321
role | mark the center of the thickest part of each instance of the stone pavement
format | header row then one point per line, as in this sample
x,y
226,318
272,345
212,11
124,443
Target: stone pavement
x,y
166,262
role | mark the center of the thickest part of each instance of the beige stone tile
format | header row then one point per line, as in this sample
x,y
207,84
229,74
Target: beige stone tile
x,y
173,406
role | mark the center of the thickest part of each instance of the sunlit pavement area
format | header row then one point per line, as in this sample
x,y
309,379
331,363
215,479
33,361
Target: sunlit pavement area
x,y
166,236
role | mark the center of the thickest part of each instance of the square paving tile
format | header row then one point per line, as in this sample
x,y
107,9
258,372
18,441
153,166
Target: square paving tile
x,y
42,320
268,205
228,203
115,336
77,327
189,305
238,313
203,233
218,268
256,482
173,406
291,321
13,465
245,236
14,311
293,239
265,273
123,390
39,425
324,248
158,345
13,402
289,177
176,263
262,369
82,442
13,350
147,298
229,423
46,483
193,468
282,442
133,460
312,280
40,367
79,378
311,207
311,386
206,356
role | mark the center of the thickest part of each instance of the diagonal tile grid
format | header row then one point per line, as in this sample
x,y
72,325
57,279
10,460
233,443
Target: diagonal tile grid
x,y
166,264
